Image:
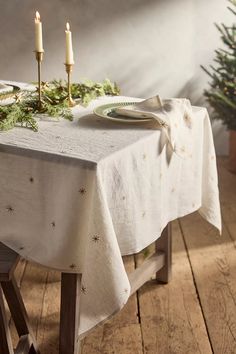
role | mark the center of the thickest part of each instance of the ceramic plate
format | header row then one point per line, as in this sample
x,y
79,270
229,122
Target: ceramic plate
x,y
108,111
6,96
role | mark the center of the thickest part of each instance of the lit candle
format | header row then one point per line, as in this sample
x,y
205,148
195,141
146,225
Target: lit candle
x,y
38,33
69,48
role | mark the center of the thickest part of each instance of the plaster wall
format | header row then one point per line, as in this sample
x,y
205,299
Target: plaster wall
x,y
147,47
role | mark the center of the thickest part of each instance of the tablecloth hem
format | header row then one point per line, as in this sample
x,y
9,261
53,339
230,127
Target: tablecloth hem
x,y
101,323
139,249
48,267
127,253
217,225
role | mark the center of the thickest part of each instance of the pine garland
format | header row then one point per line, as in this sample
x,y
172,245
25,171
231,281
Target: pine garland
x,y
222,92
54,97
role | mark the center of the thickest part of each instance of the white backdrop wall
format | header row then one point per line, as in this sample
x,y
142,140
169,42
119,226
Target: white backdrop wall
x,y
146,46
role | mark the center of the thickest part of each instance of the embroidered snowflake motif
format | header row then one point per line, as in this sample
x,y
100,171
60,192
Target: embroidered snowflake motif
x,y
163,124
96,238
10,209
72,266
82,191
83,289
188,120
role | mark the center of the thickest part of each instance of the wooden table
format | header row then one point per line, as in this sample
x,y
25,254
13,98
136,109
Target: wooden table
x,y
159,263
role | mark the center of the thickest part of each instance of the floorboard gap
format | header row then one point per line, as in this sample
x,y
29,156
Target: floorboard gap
x,y
42,307
138,308
196,288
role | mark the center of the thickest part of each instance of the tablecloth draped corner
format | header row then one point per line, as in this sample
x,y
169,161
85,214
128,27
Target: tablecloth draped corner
x,y
78,195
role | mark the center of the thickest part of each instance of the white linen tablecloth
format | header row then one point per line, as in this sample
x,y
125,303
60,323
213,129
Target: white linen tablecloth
x,y
76,196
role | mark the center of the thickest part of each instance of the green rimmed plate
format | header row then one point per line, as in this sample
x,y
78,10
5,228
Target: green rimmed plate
x,y
108,111
5,95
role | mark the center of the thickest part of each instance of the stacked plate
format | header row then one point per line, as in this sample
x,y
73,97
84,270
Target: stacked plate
x,y
5,89
7,93
109,111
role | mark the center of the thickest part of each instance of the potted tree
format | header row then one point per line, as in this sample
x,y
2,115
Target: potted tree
x,y
222,92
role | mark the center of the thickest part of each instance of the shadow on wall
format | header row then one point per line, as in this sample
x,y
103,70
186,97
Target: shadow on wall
x,y
145,46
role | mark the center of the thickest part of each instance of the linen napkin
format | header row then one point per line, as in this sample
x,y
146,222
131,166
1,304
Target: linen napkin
x,y
174,117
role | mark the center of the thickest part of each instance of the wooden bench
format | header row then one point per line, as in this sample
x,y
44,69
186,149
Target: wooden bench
x,y
159,263
8,287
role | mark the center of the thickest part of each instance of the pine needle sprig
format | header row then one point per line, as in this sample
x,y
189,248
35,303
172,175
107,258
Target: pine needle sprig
x,y
25,108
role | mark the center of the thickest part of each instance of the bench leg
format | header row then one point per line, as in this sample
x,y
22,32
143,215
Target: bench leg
x,y
69,316
5,338
164,244
18,312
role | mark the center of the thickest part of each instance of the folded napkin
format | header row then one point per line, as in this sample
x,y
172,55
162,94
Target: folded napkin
x,y
174,116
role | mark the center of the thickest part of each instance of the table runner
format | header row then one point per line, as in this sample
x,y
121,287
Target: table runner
x,y
76,196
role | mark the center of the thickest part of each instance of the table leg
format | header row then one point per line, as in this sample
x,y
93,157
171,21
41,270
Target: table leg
x,y
5,338
164,244
69,317
18,312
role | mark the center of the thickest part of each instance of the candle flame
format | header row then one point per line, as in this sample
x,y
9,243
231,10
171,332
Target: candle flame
x,y
67,26
37,16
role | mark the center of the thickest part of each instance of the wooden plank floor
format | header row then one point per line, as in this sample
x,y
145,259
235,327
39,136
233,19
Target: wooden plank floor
x,y
195,313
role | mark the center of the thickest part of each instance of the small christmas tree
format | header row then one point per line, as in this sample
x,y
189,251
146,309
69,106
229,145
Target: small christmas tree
x,y
222,92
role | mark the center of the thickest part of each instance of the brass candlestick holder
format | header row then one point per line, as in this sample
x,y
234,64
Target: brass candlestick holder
x,y
39,58
69,68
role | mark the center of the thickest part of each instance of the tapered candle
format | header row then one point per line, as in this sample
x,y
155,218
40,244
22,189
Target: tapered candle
x,y
69,48
38,33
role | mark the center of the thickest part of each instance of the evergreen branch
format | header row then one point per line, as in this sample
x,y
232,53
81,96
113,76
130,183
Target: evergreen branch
x,y
222,92
230,9
233,2
54,102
